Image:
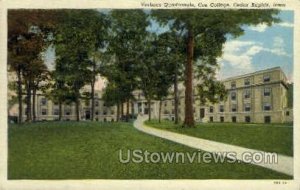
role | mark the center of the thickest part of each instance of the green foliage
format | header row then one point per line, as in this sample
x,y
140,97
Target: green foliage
x,y
127,31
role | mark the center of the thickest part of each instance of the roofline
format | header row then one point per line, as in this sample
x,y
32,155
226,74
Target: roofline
x,y
253,73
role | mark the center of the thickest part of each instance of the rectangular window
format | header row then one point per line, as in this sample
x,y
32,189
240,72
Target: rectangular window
x,y
247,107
96,113
267,106
55,112
247,119
247,82
222,119
96,104
43,101
267,119
267,78
166,103
233,95
211,119
233,119
233,107
221,108
67,112
233,84
44,111
105,112
211,109
267,91
112,112
247,94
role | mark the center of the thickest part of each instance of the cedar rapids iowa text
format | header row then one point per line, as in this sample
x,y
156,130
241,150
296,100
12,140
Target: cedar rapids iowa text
x,y
210,5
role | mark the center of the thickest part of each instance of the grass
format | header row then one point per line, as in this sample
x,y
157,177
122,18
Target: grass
x,y
90,150
267,137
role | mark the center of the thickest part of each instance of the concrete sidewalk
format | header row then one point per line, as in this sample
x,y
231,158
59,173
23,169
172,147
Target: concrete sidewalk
x,y
284,164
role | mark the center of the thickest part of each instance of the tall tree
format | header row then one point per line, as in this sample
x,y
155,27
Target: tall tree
x,y
76,37
156,71
127,31
201,25
27,31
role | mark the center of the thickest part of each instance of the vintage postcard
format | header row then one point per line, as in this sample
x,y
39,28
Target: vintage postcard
x,y
149,94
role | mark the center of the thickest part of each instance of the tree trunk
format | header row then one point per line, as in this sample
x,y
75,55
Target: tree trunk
x,y
77,102
122,110
20,96
93,99
159,113
93,89
118,112
149,109
189,115
127,110
176,100
33,103
59,110
28,102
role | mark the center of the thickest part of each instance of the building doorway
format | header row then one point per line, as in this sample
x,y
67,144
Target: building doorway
x,y
87,115
202,113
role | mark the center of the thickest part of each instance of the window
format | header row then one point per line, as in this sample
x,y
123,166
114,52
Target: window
x,y
247,94
97,113
233,95
44,111
267,106
166,103
267,119
247,82
233,84
43,101
287,113
222,119
67,112
221,108
104,112
267,78
211,119
112,112
172,102
55,112
233,107
211,109
267,91
247,107
96,104
247,119
233,119
166,112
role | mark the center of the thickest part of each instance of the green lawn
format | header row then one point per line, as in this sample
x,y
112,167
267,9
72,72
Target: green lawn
x,y
267,137
90,150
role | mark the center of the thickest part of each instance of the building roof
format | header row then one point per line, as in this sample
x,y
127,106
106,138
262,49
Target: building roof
x,y
254,73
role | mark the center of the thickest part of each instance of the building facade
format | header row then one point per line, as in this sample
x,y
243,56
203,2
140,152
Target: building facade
x,y
259,97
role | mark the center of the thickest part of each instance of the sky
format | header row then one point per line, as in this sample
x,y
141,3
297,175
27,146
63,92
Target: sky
x,y
261,47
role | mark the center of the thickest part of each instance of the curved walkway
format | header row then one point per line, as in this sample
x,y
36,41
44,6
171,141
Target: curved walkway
x,y
284,163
